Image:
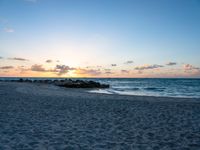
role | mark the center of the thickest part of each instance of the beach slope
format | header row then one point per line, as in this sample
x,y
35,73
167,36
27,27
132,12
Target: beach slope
x,y
42,116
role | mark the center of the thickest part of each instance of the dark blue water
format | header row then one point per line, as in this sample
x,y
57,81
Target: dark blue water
x,y
149,87
153,87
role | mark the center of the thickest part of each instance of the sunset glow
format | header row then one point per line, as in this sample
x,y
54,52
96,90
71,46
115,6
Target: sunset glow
x,y
50,38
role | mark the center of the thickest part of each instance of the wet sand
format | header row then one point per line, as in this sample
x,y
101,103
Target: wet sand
x,y
42,116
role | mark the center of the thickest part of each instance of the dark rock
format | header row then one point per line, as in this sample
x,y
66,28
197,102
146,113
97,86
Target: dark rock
x,y
81,84
48,81
27,80
21,80
68,83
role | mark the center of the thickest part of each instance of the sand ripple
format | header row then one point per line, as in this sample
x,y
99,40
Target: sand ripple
x,y
89,121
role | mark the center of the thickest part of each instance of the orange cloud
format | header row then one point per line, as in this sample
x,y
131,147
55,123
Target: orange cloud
x,y
38,68
87,72
6,67
146,67
19,59
49,61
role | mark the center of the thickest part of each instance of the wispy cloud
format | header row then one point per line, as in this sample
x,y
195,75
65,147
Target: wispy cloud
x,y
88,72
38,68
59,69
128,62
5,25
107,69
22,69
9,30
188,67
113,65
63,69
124,71
49,61
171,63
35,68
18,58
6,67
108,72
146,67
191,70
97,66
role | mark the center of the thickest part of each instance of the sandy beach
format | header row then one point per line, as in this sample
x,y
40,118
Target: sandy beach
x,y
42,116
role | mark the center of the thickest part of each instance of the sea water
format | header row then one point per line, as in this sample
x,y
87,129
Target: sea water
x,y
181,87
152,87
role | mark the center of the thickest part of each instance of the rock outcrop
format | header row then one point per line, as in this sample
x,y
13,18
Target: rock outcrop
x,y
68,83
81,84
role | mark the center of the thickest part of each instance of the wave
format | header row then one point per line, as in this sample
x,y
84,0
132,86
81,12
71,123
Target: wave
x,y
154,89
151,87
126,88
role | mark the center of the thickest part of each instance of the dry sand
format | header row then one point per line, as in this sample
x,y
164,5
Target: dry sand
x,y
41,116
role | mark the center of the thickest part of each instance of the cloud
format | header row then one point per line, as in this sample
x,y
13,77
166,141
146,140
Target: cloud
x,y
128,62
113,65
59,69
98,66
188,67
108,72
6,67
9,30
192,70
140,72
49,61
62,69
91,72
146,67
19,59
124,71
107,69
171,63
23,69
38,68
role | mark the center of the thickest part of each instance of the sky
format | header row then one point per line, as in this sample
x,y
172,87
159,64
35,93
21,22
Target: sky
x,y
100,38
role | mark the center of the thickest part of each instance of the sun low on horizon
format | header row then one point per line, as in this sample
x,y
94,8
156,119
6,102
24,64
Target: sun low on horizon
x,y
100,38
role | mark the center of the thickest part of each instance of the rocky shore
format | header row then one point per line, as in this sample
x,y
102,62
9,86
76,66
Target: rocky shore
x,y
68,83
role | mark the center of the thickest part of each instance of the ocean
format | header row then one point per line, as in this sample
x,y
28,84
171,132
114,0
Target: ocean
x,y
164,87
188,88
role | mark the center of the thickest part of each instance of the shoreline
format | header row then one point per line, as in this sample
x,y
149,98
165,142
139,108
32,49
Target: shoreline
x,y
149,87
148,96
87,91
41,116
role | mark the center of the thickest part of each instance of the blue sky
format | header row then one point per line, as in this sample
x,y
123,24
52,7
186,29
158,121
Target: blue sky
x,y
82,33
